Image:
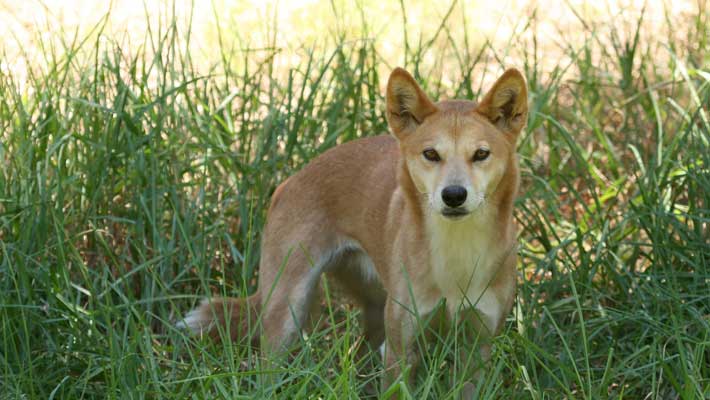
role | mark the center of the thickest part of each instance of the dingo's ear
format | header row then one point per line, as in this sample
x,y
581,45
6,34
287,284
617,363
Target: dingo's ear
x,y
407,105
506,104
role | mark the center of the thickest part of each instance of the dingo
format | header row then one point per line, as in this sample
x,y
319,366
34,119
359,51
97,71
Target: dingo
x,y
400,222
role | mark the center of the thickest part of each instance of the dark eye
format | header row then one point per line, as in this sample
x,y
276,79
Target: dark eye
x,y
431,155
481,154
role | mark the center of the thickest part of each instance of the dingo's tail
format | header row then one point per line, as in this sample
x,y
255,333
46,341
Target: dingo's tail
x,y
235,317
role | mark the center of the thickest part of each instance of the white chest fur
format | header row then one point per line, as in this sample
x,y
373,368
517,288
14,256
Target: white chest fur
x,y
465,256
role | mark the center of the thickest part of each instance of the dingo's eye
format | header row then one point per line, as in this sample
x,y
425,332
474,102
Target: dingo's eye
x,y
481,154
431,155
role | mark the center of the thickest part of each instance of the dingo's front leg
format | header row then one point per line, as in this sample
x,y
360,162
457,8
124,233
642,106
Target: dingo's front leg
x,y
399,350
485,319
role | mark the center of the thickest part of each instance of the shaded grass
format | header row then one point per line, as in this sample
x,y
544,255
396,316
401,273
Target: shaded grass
x,y
132,185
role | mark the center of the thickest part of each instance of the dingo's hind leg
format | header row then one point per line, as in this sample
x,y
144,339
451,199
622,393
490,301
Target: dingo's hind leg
x,y
289,285
356,274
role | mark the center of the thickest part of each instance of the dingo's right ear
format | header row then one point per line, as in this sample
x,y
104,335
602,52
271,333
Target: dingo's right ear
x,y
407,105
506,104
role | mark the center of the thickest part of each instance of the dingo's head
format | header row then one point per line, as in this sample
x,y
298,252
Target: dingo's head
x,y
457,152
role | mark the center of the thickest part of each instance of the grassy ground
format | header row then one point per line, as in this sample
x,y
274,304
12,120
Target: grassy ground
x,y
134,183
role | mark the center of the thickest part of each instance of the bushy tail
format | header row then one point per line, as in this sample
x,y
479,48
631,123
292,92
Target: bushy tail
x,y
236,318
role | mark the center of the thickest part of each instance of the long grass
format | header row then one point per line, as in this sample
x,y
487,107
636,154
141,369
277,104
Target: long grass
x,y
133,184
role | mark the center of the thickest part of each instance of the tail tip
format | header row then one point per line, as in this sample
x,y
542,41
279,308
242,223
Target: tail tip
x,y
195,321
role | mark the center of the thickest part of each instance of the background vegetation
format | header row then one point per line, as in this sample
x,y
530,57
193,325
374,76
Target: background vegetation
x,y
137,162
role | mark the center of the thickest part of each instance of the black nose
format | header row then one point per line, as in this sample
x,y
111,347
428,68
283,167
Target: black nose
x,y
454,195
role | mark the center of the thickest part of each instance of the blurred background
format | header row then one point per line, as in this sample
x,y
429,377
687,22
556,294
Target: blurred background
x,y
398,31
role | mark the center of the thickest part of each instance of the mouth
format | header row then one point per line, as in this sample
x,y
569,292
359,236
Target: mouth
x,y
454,213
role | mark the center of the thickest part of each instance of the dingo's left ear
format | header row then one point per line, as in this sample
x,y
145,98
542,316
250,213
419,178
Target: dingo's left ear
x,y
407,105
506,104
